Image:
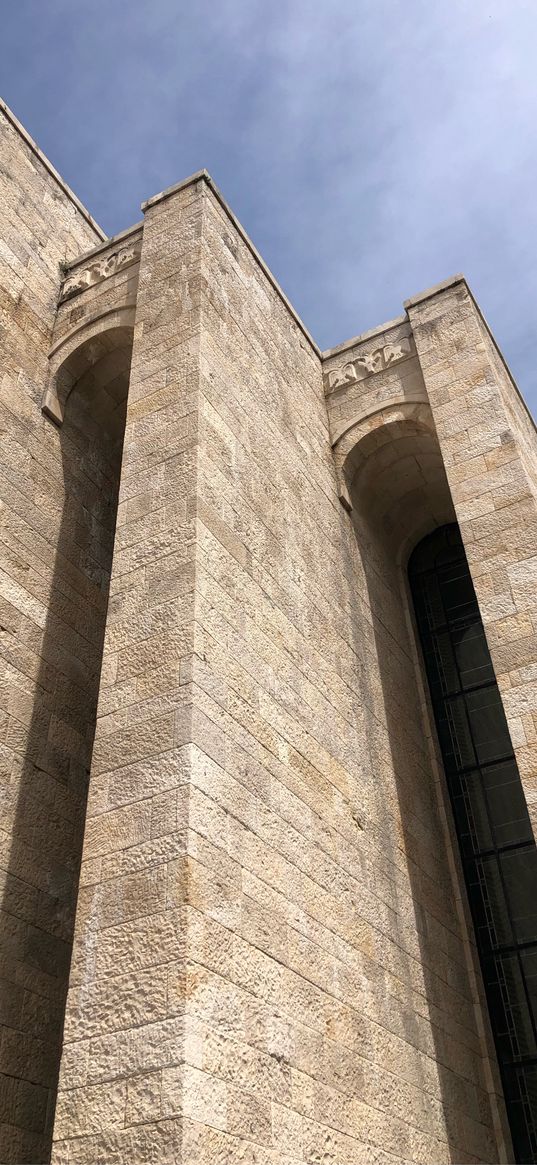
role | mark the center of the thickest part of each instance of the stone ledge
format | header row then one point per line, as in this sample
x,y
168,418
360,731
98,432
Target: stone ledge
x,y
199,176
435,290
369,335
107,242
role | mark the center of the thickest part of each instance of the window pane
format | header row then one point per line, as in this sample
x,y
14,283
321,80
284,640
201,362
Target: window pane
x,y
471,813
430,602
519,872
472,655
511,1019
455,734
458,595
489,904
488,724
528,959
521,1097
441,664
507,804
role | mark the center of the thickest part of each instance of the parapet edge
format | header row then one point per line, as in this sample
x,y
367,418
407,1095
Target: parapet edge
x,y
436,289
108,242
369,335
10,116
204,176
444,286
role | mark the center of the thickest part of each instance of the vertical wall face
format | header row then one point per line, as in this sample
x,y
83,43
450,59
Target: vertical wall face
x,y
391,474
120,1087
489,449
268,963
434,955
329,1010
48,653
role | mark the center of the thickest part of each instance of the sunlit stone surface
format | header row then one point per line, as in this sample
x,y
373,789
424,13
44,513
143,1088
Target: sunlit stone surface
x,y
219,762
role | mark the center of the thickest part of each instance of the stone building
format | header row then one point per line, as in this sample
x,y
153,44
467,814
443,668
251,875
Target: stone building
x,y
269,716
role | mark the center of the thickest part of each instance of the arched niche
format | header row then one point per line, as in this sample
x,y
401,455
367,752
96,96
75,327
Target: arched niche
x,y
92,385
97,353
79,500
392,475
393,483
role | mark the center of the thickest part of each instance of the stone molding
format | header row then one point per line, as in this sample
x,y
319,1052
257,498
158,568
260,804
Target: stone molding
x,y
365,364
102,268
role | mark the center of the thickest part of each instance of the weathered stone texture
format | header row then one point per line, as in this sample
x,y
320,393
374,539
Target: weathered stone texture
x,y
322,943
115,284
484,433
124,1031
273,960
49,641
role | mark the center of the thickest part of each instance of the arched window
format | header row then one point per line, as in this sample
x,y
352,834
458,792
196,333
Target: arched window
x,y
497,848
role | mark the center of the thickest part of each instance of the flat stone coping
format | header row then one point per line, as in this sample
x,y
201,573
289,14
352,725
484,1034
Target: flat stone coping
x,y
435,290
204,176
10,116
370,335
101,247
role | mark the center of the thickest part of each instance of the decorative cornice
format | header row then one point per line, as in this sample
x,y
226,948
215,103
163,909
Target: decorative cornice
x,y
365,364
102,268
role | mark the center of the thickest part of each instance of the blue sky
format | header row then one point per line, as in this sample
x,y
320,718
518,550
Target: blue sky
x,y
371,148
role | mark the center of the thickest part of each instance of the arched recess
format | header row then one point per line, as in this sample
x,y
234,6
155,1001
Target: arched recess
x,y
391,467
99,349
389,464
79,499
393,483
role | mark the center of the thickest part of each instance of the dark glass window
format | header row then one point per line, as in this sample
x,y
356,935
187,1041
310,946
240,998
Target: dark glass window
x,y
498,852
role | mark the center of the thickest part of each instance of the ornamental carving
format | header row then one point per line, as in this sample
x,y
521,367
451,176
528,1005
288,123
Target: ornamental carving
x,y
100,269
367,363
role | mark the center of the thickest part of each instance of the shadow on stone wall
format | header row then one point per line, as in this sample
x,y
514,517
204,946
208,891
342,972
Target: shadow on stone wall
x,y
400,493
440,1020
69,573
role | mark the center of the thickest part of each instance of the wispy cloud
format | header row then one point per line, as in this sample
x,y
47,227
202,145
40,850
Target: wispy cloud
x,y
370,147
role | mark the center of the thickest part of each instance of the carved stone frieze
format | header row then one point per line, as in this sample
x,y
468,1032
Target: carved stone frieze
x,y
101,268
365,364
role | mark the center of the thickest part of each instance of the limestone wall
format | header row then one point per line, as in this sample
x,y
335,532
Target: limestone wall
x,y
120,1086
46,642
268,965
330,1014
521,422
272,961
489,451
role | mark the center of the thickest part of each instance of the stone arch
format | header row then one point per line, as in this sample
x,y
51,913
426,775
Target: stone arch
x,y
384,405
395,476
97,352
358,441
